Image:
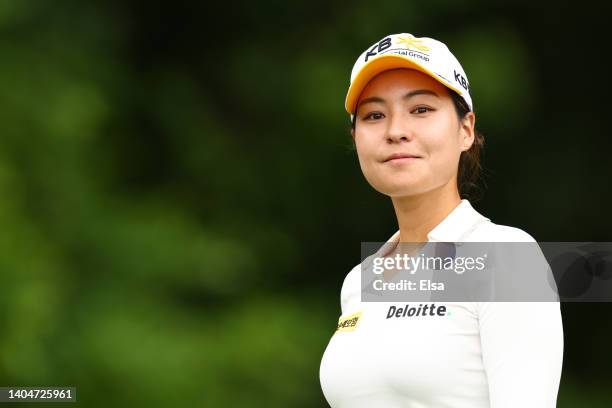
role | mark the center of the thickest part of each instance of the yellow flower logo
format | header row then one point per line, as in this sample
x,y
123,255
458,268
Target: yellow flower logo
x,y
413,43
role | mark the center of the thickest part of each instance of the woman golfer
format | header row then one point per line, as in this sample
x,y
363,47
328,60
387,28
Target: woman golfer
x,y
413,129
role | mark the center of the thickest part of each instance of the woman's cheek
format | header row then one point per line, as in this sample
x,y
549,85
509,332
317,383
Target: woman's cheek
x,y
367,165
446,163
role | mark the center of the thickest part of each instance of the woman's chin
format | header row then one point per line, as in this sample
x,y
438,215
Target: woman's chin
x,y
404,189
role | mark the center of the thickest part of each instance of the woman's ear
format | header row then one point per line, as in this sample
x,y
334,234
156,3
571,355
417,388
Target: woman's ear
x,y
466,128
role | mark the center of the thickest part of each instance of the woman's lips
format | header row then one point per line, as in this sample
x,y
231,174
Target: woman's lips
x,y
401,158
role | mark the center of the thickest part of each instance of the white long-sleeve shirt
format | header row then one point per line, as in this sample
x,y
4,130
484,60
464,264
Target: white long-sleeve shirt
x,y
473,354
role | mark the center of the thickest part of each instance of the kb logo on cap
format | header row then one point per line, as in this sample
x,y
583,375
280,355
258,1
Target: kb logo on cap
x,y
410,42
461,80
381,46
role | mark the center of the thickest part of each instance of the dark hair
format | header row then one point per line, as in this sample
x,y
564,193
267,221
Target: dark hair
x,y
468,175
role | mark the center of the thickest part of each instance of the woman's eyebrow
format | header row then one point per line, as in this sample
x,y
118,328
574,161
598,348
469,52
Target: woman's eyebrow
x,y
420,92
373,99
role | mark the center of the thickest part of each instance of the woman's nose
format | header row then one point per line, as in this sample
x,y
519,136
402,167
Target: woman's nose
x,y
399,129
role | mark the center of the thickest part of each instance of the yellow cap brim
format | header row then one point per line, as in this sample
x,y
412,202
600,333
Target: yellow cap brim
x,y
378,65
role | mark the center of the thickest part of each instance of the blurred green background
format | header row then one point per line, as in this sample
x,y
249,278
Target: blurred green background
x,y
180,200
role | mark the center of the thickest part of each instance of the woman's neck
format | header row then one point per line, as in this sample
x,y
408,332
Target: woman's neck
x,y
417,215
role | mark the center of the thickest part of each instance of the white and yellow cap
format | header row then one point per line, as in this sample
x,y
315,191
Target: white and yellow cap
x,y
427,55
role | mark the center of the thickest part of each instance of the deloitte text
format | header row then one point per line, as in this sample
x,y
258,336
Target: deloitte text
x,y
410,311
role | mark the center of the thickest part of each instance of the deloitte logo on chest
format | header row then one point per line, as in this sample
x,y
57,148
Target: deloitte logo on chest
x,y
414,311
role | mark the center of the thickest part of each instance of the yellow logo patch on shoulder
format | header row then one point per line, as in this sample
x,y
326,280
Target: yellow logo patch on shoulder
x,y
349,323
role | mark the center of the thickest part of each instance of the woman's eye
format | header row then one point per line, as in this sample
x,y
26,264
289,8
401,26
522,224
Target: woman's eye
x,y
373,115
422,109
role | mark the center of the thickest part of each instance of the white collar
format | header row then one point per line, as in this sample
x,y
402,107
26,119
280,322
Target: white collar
x,y
455,227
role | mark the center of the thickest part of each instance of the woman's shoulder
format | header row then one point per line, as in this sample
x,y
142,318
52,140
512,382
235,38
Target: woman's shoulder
x,y
351,289
490,232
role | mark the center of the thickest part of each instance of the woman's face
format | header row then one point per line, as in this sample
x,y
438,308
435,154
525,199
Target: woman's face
x,y
408,135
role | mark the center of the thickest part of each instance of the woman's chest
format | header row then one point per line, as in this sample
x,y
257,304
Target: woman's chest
x,y
416,349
